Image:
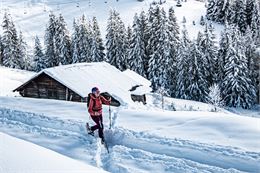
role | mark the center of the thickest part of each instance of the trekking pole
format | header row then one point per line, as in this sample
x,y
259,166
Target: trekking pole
x,y
110,121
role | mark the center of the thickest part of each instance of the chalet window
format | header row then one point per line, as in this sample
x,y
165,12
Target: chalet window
x,y
52,94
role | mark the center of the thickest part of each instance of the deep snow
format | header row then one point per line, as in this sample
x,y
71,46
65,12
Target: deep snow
x,y
21,156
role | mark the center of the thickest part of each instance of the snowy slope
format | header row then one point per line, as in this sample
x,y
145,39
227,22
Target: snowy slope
x,y
155,137
31,17
10,79
33,158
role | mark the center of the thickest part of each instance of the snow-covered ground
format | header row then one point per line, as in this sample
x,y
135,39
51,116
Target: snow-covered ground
x,y
143,138
12,78
31,16
33,158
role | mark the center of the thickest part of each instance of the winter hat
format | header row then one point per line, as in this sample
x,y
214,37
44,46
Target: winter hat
x,y
94,89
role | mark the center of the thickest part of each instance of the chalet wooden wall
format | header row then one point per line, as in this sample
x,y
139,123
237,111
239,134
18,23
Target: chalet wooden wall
x,y
139,98
46,87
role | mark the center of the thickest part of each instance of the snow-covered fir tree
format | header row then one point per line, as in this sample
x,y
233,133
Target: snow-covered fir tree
x,y
251,58
10,43
222,52
129,34
62,42
151,29
137,48
198,86
75,42
210,51
174,42
255,23
97,48
145,37
22,53
249,10
39,58
159,59
51,56
84,40
211,10
116,41
217,10
182,65
241,16
237,87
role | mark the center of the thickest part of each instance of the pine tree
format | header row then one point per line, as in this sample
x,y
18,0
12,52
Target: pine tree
x,y
159,59
222,52
249,9
255,23
10,43
237,88
182,66
84,41
250,49
198,86
145,34
137,49
211,10
75,43
241,16
97,51
22,53
210,51
39,58
174,42
62,42
50,53
129,34
116,41
217,10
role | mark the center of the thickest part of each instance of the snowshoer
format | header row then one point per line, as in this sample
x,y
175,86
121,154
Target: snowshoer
x,y
95,111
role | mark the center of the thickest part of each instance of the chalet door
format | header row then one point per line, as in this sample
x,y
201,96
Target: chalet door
x,y
52,94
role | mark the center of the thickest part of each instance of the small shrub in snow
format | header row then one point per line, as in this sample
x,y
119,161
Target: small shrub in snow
x,y
215,97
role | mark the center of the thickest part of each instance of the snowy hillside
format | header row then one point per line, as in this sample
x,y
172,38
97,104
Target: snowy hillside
x,y
31,17
143,138
11,78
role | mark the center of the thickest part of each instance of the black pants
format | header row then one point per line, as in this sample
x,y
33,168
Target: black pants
x,y
99,125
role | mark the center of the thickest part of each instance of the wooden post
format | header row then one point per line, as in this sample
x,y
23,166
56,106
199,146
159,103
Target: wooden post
x,y
67,94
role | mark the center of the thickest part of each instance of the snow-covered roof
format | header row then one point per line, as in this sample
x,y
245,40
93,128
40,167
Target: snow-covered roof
x,y
145,84
137,77
81,77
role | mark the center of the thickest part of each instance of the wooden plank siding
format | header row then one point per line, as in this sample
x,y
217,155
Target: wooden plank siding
x,y
44,86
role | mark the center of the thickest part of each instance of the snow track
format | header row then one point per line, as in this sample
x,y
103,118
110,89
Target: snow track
x,y
129,151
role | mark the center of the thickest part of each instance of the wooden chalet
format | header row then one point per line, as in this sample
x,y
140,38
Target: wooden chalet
x,y
74,82
44,86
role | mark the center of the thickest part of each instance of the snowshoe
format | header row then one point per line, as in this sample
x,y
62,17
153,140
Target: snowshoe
x,y
90,132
